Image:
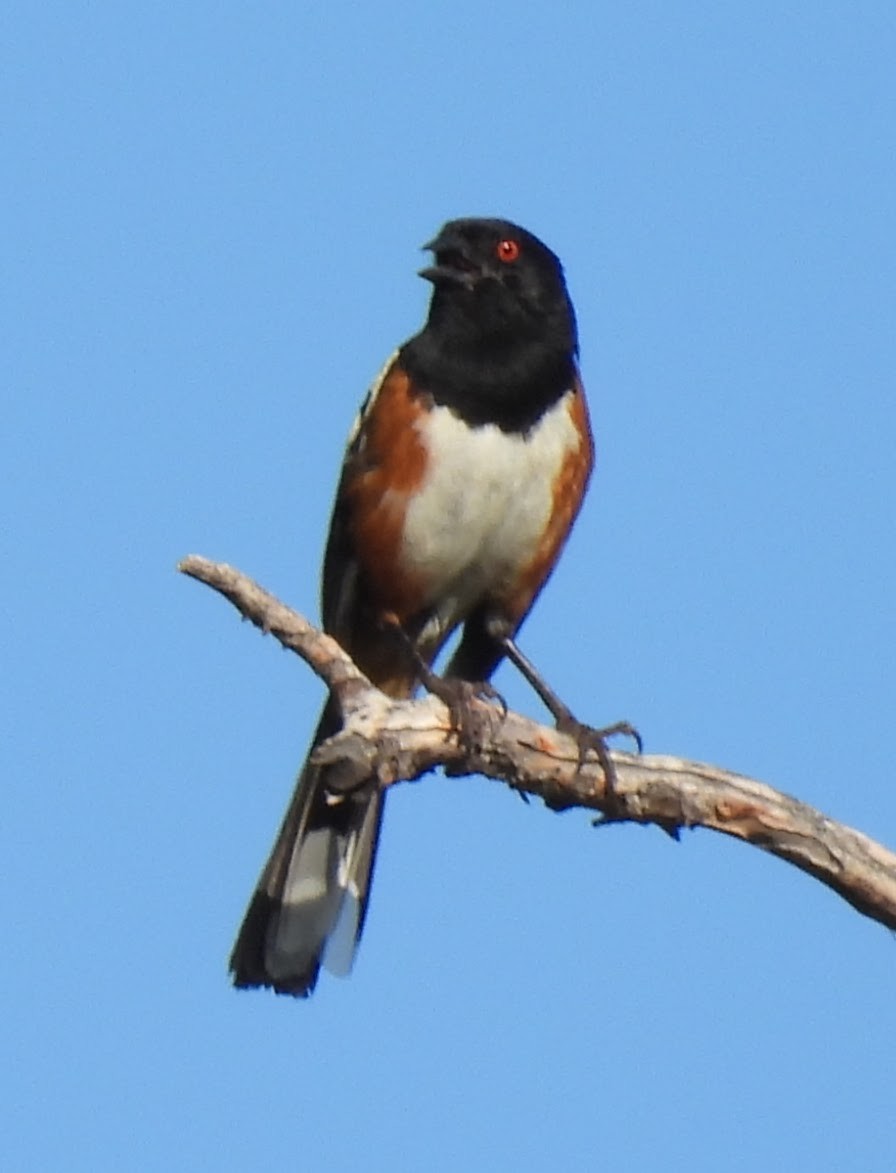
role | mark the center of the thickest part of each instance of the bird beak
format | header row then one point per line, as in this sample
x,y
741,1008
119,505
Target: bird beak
x,y
445,275
452,266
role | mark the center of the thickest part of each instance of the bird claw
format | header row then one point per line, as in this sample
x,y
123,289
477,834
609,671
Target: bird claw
x,y
472,723
587,738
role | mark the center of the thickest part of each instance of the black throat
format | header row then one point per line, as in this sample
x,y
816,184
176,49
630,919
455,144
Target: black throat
x,y
510,385
507,379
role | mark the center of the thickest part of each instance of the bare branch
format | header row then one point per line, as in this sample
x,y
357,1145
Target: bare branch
x,y
401,740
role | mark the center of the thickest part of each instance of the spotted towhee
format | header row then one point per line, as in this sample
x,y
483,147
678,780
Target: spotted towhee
x,y
464,473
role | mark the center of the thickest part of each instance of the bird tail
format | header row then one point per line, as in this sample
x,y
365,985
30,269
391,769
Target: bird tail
x,y
311,899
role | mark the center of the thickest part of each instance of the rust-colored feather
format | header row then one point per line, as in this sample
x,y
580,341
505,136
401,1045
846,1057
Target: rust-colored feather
x,y
568,493
387,469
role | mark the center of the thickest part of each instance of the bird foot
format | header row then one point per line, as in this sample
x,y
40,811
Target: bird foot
x,y
473,723
587,738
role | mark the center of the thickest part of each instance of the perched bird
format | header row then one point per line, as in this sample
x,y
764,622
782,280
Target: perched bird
x,y
464,473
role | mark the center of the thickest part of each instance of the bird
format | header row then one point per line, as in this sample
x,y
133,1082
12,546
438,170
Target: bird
x,y
465,469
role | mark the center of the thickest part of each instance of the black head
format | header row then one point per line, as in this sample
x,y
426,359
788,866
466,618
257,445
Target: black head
x,y
497,279
500,341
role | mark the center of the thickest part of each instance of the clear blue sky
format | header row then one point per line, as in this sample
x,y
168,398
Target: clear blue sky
x,y
212,217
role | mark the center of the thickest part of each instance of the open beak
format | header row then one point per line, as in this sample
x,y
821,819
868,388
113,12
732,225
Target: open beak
x,y
452,266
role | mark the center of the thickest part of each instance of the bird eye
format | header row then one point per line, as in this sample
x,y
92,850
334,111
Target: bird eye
x,y
507,251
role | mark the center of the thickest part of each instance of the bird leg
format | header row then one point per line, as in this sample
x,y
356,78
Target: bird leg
x,y
470,725
586,737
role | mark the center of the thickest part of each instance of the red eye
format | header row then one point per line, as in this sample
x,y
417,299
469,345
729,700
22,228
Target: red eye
x,y
507,251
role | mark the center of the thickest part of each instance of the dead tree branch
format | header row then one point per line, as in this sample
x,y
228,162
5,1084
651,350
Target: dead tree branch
x,y
401,740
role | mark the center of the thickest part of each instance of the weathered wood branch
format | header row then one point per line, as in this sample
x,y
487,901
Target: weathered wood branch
x,y
401,740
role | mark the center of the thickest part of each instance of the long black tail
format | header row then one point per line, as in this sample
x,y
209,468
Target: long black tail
x,y
311,899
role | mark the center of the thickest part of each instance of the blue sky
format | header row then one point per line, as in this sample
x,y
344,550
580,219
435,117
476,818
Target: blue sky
x,y
211,229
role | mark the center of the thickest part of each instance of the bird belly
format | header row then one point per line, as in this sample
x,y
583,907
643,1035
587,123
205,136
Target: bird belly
x,y
479,515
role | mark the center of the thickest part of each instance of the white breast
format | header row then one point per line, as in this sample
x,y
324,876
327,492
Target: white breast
x,y
483,507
